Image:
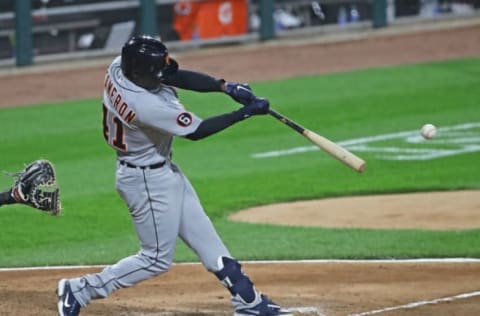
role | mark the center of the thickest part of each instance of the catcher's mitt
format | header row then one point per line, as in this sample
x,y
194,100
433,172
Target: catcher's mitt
x,y
37,187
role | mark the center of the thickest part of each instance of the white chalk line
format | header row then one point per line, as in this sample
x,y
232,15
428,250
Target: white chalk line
x,y
360,261
462,136
307,310
419,303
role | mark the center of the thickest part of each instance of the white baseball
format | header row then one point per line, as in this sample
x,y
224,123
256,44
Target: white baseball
x,y
429,131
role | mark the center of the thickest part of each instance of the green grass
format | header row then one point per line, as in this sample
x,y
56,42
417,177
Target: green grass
x,y
96,228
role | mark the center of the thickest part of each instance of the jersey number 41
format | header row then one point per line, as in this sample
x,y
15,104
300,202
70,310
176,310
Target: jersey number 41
x,y
112,123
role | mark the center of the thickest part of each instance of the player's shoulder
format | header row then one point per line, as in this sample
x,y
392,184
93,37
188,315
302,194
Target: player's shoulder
x,y
116,75
117,60
168,96
116,63
169,91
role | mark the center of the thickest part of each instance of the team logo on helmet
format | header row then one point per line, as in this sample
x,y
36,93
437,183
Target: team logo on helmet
x,y
184,119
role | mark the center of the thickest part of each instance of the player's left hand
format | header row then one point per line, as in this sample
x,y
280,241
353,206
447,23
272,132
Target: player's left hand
x,y
37,187
240,92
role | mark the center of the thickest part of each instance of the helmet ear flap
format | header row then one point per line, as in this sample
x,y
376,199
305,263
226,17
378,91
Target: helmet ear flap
x,y
145,61
170,68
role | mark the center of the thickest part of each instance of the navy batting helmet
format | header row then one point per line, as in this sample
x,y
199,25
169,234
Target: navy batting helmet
x,y
145,61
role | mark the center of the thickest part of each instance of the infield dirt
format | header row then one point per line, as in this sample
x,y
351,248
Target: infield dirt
x,y
322,288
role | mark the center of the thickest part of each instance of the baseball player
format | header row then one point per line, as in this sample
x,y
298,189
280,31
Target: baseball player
x,y
141,116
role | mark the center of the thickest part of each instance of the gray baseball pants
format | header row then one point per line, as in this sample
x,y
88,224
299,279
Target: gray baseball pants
x,y
163,206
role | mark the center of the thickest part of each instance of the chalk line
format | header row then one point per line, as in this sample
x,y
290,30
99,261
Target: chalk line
x,y
419,260
419,303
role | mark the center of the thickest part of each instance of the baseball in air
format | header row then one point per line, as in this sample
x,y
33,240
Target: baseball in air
x,y
429,131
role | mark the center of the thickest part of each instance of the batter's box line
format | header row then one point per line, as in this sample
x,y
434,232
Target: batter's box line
x,y
308,310
419,303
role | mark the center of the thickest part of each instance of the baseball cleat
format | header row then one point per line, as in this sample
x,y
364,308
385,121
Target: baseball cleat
x,y
266,307
67,304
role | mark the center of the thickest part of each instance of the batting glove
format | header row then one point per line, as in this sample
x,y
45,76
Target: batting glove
x,y
258,106
240,92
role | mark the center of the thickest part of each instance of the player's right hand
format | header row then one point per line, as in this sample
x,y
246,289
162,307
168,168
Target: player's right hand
x,y
257,106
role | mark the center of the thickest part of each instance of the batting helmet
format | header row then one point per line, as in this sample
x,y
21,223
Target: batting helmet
x,y
145,61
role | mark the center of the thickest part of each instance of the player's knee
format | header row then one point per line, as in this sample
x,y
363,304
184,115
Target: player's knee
x,y
161,266
155,264
232,277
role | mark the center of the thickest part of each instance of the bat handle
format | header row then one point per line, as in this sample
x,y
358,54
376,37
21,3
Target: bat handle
x,y
298,128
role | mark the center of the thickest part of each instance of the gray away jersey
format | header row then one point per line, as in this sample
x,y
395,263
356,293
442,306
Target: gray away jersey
x,y
140,124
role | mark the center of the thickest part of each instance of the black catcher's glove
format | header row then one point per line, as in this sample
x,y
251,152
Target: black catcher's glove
x,y
240,92
37,187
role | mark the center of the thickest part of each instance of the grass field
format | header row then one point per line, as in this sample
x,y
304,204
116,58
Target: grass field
x,y
95,227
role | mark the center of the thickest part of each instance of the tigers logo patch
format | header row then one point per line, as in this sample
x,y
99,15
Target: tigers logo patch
x,y
184,119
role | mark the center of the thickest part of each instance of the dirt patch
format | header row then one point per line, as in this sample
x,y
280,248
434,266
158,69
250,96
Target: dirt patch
x,y
433,210
314,288
310,288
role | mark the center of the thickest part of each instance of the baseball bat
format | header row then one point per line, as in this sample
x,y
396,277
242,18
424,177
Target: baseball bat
x,y
333,149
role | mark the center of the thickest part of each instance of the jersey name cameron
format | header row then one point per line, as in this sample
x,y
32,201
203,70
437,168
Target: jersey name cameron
x,y
116,101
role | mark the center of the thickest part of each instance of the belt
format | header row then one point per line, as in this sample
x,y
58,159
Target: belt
x,y
154,166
